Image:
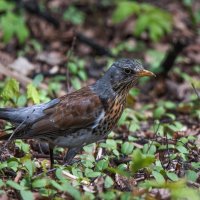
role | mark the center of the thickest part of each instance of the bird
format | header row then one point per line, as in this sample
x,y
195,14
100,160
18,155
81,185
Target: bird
x,y
81,117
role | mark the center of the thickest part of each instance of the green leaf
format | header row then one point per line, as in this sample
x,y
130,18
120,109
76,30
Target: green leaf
x,y
126,196
111,144
11,89
40,183
32,93
195,165
127,148
13,165
30,167
22,32
77,172
59,174
170,105
74,15
6,6
141,25
159,112
21,101
14,185
1,183
182,149
71,190
108,182
149,149
91,174
140,160
125,9
73,68
159,177
76,83
17,27
108,195
82,74
25,194
57,185
22,146
156,32
37,80
102,164
134,126
172,176
191,175
89,148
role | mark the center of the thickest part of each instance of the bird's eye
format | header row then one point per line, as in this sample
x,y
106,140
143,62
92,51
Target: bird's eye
x,y
127,70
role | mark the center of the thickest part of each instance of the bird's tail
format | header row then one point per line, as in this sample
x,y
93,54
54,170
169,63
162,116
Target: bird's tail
x,y
6,114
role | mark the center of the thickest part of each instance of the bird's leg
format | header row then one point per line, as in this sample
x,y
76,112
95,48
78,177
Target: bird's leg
x,y
51,147
71,153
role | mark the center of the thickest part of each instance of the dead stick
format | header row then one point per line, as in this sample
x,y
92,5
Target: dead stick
x,y
21,78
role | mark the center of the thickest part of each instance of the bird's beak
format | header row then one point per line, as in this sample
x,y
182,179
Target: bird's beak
x,y
145,72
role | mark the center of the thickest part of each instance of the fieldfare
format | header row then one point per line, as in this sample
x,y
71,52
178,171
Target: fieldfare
x,y
81,117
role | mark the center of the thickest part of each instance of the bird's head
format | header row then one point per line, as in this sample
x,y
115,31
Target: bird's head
x,y
124,74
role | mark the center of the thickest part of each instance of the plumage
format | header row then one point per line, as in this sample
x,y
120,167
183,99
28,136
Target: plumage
x,y
81,117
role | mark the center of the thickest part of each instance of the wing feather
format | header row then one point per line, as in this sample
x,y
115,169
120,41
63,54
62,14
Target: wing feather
x,y
77,110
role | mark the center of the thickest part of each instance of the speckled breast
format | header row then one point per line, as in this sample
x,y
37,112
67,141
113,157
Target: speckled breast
x,y
112,115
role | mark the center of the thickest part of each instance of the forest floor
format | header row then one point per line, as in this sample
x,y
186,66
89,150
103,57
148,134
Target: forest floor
x,y
154,151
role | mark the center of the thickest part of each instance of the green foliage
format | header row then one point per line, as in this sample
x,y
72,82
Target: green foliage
x,y
178,189
32,93
76,68
22,146
141,160
26,194
12,24
10,90
127,148
124,10
159,177
149,18
6,5
130,118
74,15
108,182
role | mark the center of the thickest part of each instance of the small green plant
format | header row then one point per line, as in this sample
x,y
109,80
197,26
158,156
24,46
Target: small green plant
x,y
74,15
149,18
76,68
11,93
12,24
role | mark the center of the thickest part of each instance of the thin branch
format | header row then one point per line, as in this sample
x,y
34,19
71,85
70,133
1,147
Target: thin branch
x,y
20,77
195,90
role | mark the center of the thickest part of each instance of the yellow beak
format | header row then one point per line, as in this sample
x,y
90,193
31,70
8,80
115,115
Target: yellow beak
x,y
145,72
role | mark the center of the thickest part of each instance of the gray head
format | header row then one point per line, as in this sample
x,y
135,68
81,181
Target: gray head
x,y
124,73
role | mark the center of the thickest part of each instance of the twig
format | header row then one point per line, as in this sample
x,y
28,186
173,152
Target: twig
x,y
195,90
46,156
100,50
193,184
20,77
75,177
53,170
172,54
69,54
13,133
19,175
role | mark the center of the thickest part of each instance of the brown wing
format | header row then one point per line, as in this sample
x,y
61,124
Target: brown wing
x,y
76,110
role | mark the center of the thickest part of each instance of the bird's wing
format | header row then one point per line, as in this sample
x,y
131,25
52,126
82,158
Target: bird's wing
x,y
77,110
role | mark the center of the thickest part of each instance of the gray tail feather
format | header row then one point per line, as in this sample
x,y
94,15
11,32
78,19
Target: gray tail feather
x,y
7,114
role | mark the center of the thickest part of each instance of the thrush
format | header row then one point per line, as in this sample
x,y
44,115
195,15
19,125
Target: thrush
x,y
81,117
